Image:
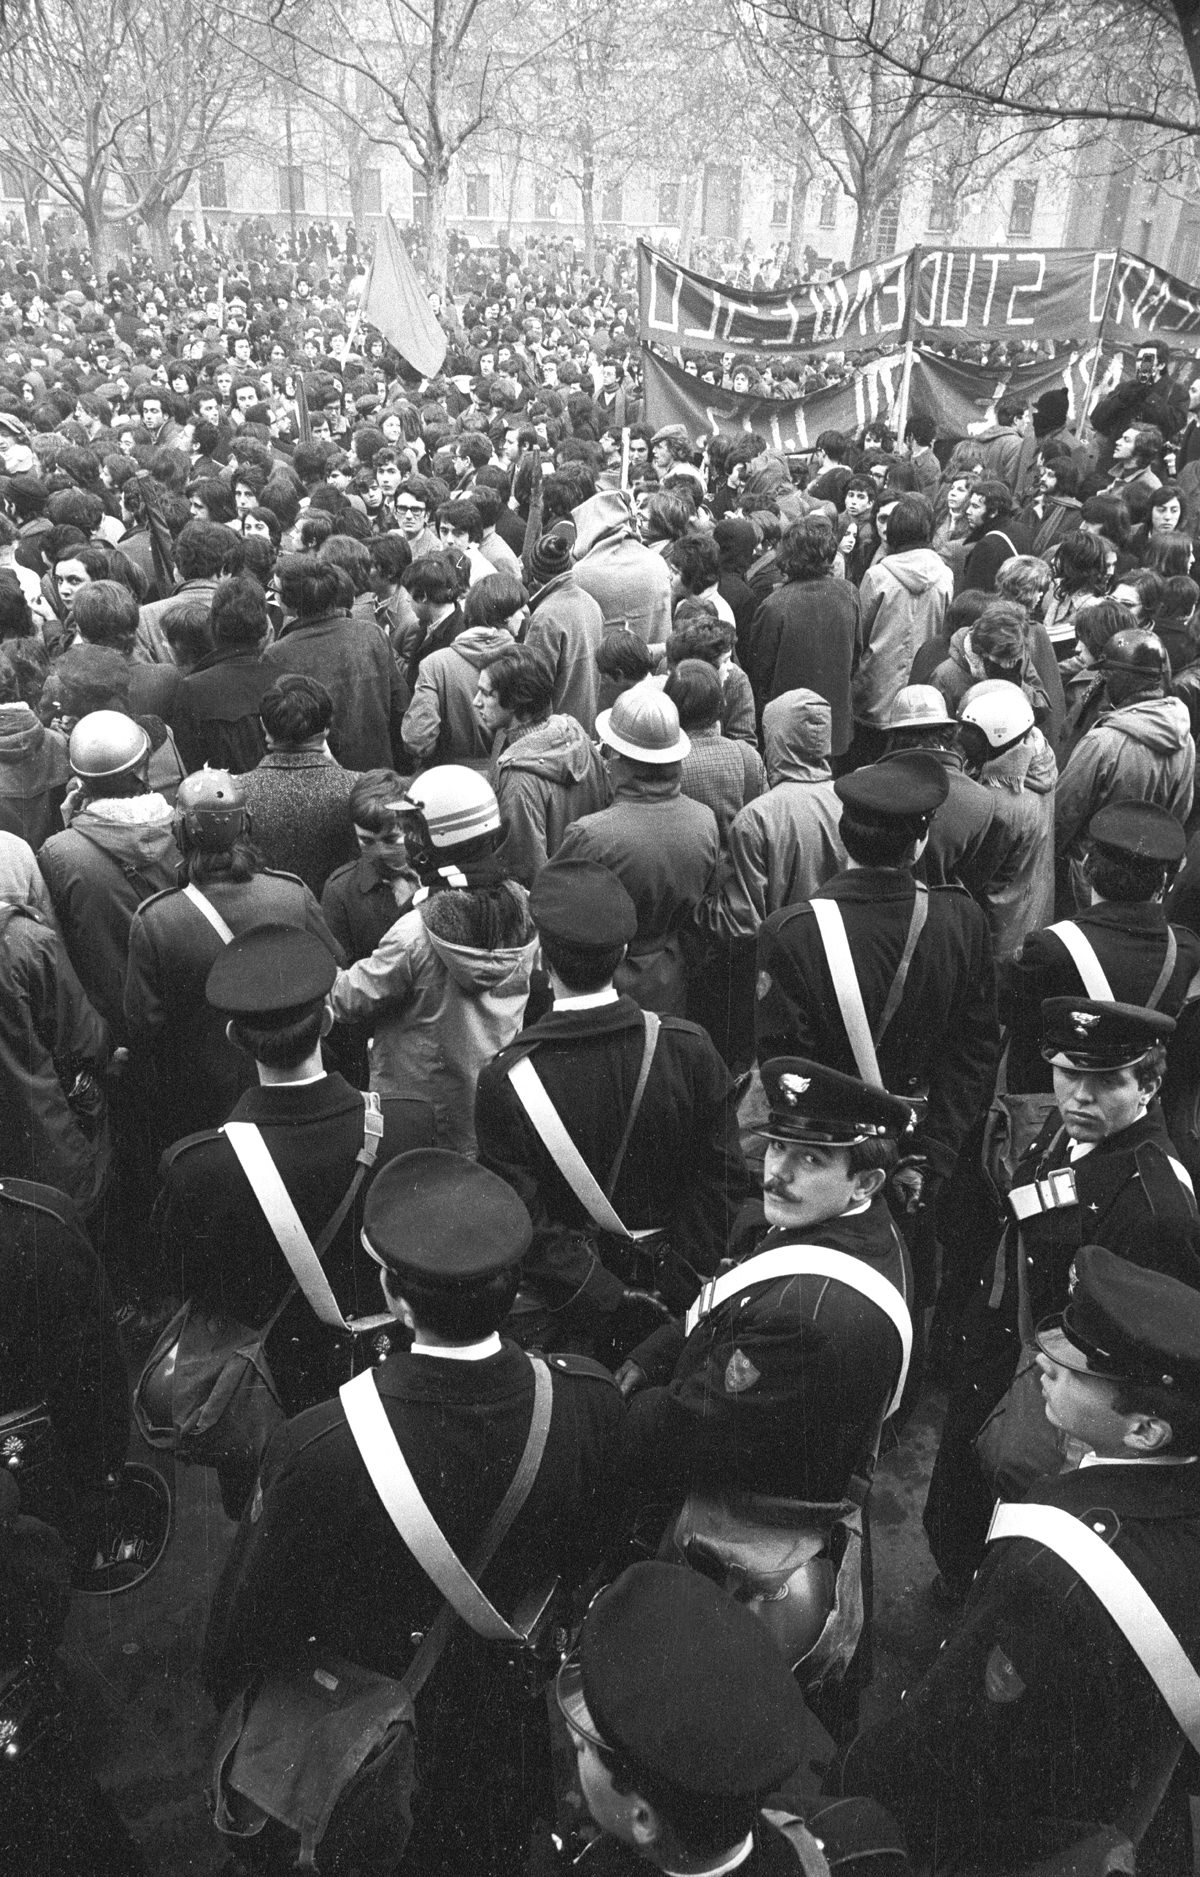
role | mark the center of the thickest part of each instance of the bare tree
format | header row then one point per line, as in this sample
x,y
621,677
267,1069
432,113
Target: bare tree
x,y
435,71
112,105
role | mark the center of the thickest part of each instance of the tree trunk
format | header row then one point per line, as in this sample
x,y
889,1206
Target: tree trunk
x,y
100,242
866,222
801,177
33,222
157,217
437,183
687,215
510,197
587,196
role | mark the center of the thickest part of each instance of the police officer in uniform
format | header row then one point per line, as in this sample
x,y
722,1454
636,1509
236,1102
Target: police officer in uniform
x,y
318,1564
214,1243
682,1170
922,959
1101,1171
1134,850
1037,1723
782,1387
685,1724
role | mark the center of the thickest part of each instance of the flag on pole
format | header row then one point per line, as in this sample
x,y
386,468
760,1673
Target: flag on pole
x,y
303,420
395,301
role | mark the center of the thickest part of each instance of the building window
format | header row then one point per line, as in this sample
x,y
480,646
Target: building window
x,y
781,202
479,195
372,192
827,218
291,188
612,203
212,187
941,209
1024,201
889,228
545,199
668,201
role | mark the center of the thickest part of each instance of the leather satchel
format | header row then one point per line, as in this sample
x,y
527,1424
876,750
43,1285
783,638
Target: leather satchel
x,y
206,1392
322,1758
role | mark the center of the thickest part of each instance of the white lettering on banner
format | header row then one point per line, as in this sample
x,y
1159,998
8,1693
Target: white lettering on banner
x,y
936,258
966,298
709,331
1034,286
670,325
995,259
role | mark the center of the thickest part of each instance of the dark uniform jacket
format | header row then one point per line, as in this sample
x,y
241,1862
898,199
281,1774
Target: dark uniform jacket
x,y
360,902
59,1341
1132,1199
317,1563
199,1073
1037,1721
856,1837
48,1031
944,1036
214,1243
1130,942
682,1170
783,1388
965,848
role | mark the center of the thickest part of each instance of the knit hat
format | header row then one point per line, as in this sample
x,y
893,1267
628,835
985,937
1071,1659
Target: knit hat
x,y
1050,412
551,556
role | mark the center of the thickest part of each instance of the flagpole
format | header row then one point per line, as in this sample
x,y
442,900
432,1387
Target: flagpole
x,y
905,384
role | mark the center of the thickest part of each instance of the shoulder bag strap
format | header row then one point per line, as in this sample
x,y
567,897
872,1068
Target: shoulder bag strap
x,y
393,1481
916,926
204,905
280,1213
1084,958
814,1261
832,930
530,1090
1168,970
1130,1605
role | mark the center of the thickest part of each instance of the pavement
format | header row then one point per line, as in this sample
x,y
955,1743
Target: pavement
x,y
148,1728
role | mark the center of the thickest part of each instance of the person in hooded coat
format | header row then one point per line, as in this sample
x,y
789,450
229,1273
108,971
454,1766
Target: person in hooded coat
x,y
630,584
565,625
1139,750
785,844
1010,758
34,768
441,724
446,986
547,772
904,598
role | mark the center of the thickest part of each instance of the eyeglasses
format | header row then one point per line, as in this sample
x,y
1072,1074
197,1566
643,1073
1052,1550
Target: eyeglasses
x,y
409,508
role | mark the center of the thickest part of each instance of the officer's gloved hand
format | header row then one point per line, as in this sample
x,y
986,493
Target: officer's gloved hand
x,y
634,1318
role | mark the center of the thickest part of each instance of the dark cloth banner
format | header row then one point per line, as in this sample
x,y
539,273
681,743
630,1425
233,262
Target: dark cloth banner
x,y
953,392
930,295
674,396
866,309
965,295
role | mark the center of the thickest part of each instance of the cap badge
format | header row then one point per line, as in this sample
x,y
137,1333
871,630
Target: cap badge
x,y
792,1087
1084,1021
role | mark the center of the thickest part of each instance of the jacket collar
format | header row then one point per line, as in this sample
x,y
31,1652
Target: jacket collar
x,y
282,1102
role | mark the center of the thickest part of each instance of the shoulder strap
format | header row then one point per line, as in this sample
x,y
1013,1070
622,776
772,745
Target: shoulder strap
x,y
1130,1605
831,928
393,1481
530,1091
204,905
280,1213
813,1261
1084,958
1168,970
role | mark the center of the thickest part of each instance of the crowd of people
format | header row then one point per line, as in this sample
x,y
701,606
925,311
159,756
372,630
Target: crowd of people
x,y
559,980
